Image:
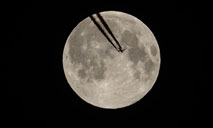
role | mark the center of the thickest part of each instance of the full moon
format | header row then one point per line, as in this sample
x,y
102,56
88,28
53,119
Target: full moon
x,y
104,77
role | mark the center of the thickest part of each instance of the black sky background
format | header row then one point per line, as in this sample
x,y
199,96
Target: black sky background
x,y
39,90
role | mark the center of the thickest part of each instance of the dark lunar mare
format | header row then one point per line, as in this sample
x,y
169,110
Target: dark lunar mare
x,y
153,50
136,54
79,56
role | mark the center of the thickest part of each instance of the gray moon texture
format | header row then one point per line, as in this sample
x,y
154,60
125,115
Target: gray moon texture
x,y
104,77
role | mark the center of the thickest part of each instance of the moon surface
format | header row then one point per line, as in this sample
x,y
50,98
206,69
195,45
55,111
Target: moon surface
x,y
104,77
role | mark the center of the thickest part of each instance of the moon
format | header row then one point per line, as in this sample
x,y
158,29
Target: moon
x,y
104,77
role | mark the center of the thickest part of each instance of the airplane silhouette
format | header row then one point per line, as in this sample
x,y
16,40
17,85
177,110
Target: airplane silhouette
x,y
121,50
